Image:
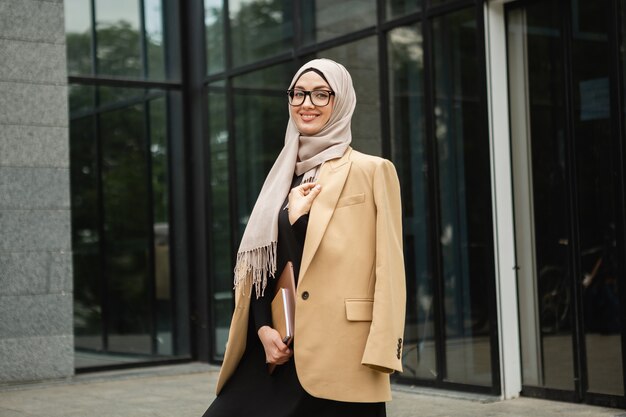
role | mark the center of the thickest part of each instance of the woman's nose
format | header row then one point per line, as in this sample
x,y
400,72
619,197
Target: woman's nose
x,y
308,101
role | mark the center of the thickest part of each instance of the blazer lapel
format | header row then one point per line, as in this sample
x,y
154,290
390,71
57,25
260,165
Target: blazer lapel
x,y
332,178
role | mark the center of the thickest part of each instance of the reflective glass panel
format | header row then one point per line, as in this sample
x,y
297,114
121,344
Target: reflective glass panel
x,y
260,123
118,38
124,310
78,36
81,99
86,239
163,304
585,155
327,19
465,198
598,202
115,97
406,107
221,242
260,29
154,39
439,2
397,8
538,135
366,119
127,230
214,35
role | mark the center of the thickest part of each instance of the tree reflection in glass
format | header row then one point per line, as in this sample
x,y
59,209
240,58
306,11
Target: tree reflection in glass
x,y
260,29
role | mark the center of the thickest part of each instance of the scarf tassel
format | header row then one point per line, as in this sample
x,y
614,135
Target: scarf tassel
x,y
256,265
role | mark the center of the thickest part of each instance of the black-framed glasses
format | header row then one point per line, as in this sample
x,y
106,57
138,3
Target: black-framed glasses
x,y
319,98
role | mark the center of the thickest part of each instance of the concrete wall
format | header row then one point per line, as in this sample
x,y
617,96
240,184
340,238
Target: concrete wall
x,y
36,335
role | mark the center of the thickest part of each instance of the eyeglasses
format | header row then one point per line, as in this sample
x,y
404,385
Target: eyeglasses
x,y
319,98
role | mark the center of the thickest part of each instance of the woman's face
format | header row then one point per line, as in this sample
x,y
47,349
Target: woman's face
x,y
310,119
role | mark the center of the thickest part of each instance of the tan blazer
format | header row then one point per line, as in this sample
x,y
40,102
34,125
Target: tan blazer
x,y
351,295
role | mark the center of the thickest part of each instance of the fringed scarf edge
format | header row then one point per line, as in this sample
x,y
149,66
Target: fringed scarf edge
x,y
254,266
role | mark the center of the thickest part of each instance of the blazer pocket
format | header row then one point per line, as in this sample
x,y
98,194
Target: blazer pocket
x,y
351,200
359,309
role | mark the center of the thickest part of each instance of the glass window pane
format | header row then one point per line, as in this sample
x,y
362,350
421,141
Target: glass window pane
x,y
127,230
327,19
260,29
119,96
407,115
465,198
366,119
598,203
214,32
397,8
118,38
221,242
120,184
439,2
78,36
538,135
260,122
87,266
155,46
160,202
81,99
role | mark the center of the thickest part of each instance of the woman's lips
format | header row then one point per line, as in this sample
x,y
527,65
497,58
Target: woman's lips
x,y
308,117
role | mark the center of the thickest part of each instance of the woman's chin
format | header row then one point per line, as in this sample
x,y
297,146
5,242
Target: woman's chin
x,y
309,130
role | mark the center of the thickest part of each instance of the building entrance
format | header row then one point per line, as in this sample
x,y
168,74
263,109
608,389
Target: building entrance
x,y
568,189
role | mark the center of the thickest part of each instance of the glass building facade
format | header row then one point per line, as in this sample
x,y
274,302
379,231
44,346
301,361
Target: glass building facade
x,y
419,80
178,111
123,226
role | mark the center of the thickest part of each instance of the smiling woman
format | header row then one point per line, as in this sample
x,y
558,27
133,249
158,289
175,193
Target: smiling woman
x,y
335,214
311,102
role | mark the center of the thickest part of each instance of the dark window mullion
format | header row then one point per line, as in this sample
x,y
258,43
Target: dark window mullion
x,y
383,74
574,267
432,176
116,105
94,40
232,151
228,53
104,277
143,47
151,276
617,114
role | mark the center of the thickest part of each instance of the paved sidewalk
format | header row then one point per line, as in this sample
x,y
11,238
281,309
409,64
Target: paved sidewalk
x,y
187,390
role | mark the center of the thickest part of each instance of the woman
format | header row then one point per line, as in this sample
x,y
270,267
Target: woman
x,y
340,225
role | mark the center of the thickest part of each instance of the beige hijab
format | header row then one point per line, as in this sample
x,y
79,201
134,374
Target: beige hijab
x,y
256,258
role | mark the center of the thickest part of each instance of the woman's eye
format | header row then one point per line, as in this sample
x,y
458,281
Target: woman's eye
x,y
298,94
322,95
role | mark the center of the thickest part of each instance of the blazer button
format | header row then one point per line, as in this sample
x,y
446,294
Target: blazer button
x,y
305,295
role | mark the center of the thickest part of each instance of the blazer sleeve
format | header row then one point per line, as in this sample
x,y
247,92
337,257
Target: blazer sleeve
x,y
383,350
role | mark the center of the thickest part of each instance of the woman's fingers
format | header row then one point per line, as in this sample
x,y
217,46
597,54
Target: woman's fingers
x,y
281,351
278,356
276,351
313,192
300,200
307,186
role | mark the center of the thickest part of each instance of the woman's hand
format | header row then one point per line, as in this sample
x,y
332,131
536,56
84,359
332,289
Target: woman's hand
x,y
301,198
276,351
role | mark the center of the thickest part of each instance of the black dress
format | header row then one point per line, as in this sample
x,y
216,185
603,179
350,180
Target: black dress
x,y
251,391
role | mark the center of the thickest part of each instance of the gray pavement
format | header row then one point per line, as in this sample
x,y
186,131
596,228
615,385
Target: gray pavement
x,y
187,390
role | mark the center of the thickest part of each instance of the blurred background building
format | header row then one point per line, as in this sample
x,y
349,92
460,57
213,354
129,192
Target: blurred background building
x,y
135,136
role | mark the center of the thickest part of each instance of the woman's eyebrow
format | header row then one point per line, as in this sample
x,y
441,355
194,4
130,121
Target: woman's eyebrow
x,y
318,87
